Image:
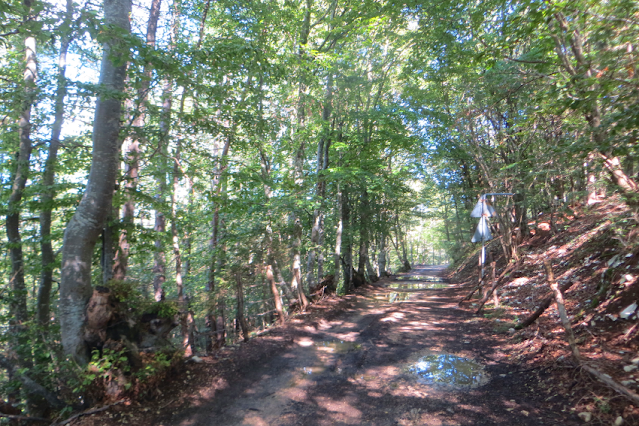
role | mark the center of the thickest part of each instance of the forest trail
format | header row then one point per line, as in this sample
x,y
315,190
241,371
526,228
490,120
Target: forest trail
x,y
358,366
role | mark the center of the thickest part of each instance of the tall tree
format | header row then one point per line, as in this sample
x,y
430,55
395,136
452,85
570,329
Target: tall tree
x,y
48,176
19,178
132,149
88,221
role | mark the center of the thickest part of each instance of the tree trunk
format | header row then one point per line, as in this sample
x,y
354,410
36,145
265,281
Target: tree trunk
x,y
182,304
338,239
276,294
382,255
159,256
296,283
48,177
240,306
84,228
18,305
217,185
347,262
132,152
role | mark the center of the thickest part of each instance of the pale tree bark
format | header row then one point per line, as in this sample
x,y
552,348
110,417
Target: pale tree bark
x,y
217,184
296,282
132,151
48,176
18,305
177,254
270,255
276,295
315,254
298,159
84,228
347,258
159,256
338,238
382,255
20,348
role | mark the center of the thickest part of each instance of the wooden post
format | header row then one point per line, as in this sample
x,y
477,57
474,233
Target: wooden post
x,y
493,269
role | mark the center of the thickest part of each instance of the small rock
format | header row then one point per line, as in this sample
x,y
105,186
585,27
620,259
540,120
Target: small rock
x,y
585,416
525,413
627,382
635,360
450,410
619,421
629,368
196,359
512,330
627,313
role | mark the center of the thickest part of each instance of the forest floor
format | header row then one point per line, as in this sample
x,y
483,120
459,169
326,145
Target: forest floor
x,y
405,351
356,360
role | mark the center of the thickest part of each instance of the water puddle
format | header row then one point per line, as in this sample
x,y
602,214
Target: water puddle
x,y
420,278
338,347
418,286
392,297
449,370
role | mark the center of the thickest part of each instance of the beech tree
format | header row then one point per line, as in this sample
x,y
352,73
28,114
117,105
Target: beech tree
x,y
87,223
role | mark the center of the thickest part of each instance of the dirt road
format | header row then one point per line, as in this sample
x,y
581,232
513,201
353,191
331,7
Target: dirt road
x,y
402,353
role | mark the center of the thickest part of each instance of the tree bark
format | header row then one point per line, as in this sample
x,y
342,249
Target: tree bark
x,y
276,295
177,254
347,258
296,282
240,306
18,305
48,176
217,184
132,152
338,238
84,228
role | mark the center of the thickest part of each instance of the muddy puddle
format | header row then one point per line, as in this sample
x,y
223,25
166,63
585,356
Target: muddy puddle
x,y
448,370
417,286
394,297
420,278
337,347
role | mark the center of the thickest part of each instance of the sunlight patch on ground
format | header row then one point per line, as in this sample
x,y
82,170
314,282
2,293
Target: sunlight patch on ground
x,y
255,420
394,317
305,342
340,407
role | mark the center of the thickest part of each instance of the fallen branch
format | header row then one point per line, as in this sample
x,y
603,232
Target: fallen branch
x,y
634,397
31,385
87,413
545,304
470,295
24,418
570,336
